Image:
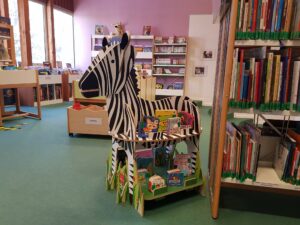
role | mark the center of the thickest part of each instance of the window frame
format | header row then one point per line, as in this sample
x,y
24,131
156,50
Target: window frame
x,y
55,7
45,30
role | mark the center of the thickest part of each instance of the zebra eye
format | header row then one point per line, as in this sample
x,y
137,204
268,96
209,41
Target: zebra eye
x,y
112,61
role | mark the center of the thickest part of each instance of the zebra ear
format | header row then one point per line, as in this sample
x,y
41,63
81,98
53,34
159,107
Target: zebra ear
x,y
104,42
124,41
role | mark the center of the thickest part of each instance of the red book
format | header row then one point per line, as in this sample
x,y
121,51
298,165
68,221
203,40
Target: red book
x,y
257,79
249,155
294,161
241,73
287,83
254,15
249,86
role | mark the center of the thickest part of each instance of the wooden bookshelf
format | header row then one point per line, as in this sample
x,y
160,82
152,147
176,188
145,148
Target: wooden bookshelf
x,y
68,79
267,179
8,41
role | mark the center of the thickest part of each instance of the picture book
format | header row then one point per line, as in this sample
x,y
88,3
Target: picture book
x,y
183,162
163,116
149,125
162,157
186,120
175,177
156,182
173,125
144,159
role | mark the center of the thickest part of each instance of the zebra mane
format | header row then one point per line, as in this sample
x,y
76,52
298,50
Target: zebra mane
x,y
134,79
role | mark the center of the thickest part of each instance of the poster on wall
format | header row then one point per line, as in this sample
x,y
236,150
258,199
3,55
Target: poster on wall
x,y
200,71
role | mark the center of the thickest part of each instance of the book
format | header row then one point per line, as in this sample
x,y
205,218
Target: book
x,y
173,125
163,116
175,177
186,120
156,182
148,125
183,162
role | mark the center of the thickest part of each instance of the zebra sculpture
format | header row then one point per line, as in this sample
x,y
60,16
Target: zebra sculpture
x,y
112,74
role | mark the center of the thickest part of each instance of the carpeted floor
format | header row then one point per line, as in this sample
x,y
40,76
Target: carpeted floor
x,y
48,178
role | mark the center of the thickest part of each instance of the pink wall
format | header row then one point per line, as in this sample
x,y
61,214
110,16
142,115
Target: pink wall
x,y
167,17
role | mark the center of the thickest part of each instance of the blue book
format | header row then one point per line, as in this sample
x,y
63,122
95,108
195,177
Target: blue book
x,y
279,17
245,85
283,79
273,16
242,82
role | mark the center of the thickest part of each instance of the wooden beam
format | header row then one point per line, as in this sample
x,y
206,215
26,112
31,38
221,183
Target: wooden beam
x,y
50,33
4,8
26,54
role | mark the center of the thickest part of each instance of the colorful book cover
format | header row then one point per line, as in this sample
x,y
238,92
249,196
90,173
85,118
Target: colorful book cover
x,y
144,159
184,163
163,116
173,125
186,120
149,124
175,179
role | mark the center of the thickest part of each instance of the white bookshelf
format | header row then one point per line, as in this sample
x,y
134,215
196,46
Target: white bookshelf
x,y
266,177
169,65
170,53
144,55
167,44
272,115
169,92
268,43
51,81
168,75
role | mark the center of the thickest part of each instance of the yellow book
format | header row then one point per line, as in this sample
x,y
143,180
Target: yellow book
x,y
163,116
276,80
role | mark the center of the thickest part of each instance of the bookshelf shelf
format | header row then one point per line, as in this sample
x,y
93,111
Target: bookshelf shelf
x,y
4,37
168,74
266,178
143,55
167,44
269,43
171,53
274,115
168,65
169,92
7,38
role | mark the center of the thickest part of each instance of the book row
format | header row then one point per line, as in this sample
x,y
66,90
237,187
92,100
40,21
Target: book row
x,y
268,19
168,121
248,147
265,79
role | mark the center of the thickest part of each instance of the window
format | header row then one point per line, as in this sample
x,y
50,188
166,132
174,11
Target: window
x,y
64,41
37,31
14,18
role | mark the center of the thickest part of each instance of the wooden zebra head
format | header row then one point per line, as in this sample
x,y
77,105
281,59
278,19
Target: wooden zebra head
x,y
110,70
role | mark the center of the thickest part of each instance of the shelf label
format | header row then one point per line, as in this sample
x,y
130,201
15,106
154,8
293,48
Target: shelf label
x,y
93,121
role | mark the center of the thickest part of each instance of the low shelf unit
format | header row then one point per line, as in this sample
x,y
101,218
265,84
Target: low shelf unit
x,y
18,79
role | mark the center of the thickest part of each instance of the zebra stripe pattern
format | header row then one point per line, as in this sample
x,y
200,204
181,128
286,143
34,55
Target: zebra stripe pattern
x,y
111,74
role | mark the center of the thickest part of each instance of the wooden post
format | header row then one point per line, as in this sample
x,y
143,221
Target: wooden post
x,y
50,33
225,99
26,54
4,8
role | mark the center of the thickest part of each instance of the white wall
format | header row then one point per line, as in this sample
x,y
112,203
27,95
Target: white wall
x,y
203,35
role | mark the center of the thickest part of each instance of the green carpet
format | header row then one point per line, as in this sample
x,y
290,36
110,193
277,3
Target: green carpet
x,y
48,178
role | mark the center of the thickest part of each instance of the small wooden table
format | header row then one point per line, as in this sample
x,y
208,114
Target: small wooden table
x,y
19,79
